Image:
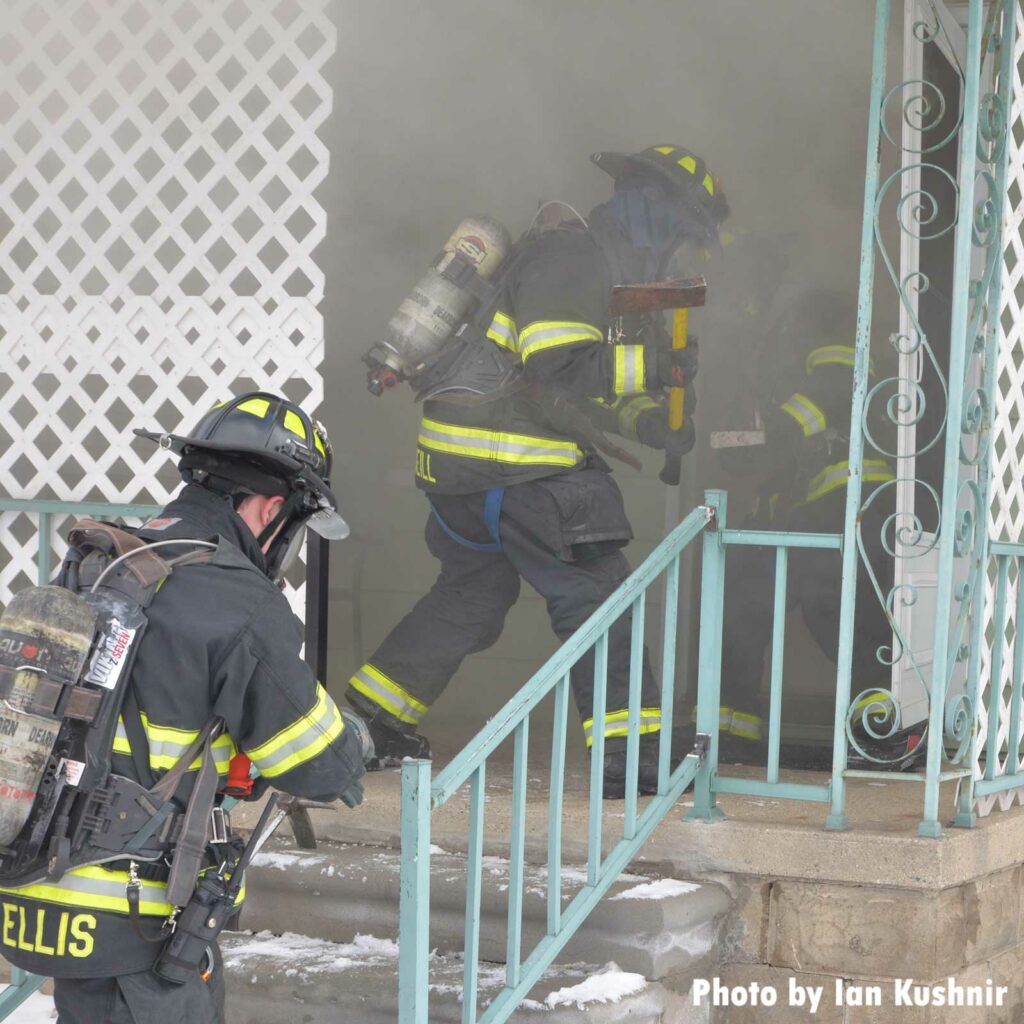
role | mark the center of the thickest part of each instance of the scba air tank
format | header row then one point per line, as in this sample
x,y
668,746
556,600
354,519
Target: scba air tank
x,y
45,637
429,316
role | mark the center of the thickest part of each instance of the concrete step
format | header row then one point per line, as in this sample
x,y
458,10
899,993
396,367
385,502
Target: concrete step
x,y
294,979
650,926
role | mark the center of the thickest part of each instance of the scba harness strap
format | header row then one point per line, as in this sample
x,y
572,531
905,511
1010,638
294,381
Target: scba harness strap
x,y
492,518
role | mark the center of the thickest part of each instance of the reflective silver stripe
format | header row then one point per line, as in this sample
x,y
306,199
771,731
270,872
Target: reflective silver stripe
x,y
616,723
502,331
629,369
836,475
164,753
383,690
630,413
306,737
745,726
96,889
806,413
502,447
840,355
550,334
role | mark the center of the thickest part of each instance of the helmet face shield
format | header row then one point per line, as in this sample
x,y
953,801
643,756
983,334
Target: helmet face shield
x,y
328,523
285,550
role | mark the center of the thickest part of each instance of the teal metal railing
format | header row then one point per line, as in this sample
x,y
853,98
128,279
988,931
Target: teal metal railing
x,y
940,402
1003,774
49,514
422,794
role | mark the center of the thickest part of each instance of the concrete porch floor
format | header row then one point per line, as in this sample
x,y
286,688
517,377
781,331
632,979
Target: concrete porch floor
x,y
760,836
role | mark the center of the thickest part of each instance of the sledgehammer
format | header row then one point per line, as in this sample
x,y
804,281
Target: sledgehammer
x,y
680,295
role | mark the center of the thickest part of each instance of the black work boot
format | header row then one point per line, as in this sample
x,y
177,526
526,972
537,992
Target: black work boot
x,y
615,766
393,740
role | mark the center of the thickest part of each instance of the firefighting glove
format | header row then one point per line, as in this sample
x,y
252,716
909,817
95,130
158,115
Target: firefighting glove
x,y
652,428
671,367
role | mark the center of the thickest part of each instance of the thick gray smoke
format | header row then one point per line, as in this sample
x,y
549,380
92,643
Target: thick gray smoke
x,y
463,106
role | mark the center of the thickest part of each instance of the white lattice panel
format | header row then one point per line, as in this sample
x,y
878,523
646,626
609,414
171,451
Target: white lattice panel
x,y
1007,508
158,219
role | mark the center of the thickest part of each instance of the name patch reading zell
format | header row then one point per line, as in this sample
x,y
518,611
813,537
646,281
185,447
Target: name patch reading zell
x,y
111,655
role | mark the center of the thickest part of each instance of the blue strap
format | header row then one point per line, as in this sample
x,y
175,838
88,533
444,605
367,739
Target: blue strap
x,y
492,515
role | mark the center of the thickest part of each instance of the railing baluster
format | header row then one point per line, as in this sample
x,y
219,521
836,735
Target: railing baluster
x,y
474,875
636,673
1013,743
709,681
513,963
556,791
44,553
995,686
597,758
668,671
414,895
778,654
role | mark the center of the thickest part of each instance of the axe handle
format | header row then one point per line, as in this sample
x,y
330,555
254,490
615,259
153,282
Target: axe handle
x,y
670,472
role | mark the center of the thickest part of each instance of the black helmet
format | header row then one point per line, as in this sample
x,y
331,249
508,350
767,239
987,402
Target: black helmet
x,y
260,443
685,174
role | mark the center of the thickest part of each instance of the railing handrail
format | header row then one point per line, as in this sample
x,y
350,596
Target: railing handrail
x,y
47,506
504,723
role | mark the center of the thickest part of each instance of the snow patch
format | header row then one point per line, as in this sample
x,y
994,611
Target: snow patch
x,y
284,861
301,955
609,985
662,889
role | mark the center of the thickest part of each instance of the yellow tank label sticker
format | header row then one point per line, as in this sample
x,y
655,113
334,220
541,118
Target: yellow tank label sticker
x,y
46,931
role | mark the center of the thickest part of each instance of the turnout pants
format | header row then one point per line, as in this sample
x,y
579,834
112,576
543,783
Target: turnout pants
x,y
141,998
814,587
562,535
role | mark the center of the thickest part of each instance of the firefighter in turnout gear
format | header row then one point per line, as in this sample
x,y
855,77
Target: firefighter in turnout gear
x,y
221,643
802,473
516,488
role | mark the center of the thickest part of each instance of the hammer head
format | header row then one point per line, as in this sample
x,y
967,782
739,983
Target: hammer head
x,y
677,293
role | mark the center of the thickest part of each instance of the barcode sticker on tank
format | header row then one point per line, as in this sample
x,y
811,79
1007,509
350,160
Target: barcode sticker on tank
x,y
73,771
110,655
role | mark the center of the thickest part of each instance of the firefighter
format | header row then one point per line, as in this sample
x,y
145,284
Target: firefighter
x,y
221,642
515,486
801,474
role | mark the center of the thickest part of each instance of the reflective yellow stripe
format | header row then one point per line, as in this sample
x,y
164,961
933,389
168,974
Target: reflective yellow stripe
x,y
837,355
384,691
629,369
666,150
302,740
747,727
831,477
616,723
709,184
256,406
724,717
880,702
688,164
498,446
808,415
503,332
96,888
167,745
630,412
545,334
